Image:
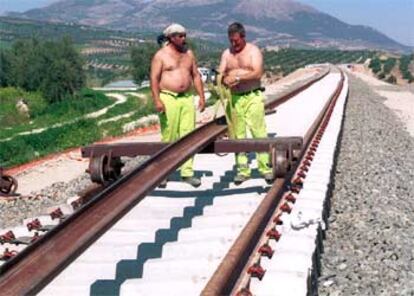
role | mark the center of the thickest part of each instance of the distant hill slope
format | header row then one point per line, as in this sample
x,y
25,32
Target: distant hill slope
x,y
269,22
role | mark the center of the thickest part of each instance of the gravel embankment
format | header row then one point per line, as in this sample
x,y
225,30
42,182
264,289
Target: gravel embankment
x,y
369,248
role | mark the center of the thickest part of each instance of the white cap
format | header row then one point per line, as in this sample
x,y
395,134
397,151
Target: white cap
x,y
174,29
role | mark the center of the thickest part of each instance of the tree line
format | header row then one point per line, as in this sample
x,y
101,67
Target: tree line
x,y
58,71
141,56
55,68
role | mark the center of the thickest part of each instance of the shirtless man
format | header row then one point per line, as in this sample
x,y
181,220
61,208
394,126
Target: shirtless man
x,y
173,73
242,68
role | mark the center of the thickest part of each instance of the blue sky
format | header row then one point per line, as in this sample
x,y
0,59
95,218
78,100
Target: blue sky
x,y
395,18
22,5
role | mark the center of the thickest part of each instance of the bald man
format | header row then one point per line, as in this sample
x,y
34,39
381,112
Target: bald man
x,y
173,73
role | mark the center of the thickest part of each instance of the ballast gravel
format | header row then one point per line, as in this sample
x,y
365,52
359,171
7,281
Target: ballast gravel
x,y
369,246
38,203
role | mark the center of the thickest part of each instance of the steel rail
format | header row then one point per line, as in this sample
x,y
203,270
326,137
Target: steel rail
x,y
40,262
313,136
235,262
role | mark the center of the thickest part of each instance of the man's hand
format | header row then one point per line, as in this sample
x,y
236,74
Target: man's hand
x,y
201,104
159,106
231,81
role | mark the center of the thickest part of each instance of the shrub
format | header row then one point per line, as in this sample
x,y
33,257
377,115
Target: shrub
x,y
54,68
389,65
8,98
375,65
391,79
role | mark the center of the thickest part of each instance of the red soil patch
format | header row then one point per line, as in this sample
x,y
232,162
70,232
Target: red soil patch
x,y
137,132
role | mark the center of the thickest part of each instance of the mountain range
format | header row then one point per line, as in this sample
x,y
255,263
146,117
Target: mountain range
x,y
268,22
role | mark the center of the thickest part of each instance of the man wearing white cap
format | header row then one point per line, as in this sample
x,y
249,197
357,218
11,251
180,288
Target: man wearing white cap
x,y
173,73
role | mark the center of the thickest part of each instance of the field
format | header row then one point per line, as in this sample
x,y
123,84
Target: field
x,y
106,53
46,128
286,61
393,69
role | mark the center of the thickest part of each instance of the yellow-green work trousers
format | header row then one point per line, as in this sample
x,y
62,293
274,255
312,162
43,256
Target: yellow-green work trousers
x,y
177,121
248,110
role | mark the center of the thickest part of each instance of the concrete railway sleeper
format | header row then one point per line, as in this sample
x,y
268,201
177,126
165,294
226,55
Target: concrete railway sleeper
x,y
56,248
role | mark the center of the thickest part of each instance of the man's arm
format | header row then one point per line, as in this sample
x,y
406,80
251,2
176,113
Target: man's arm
x,y
155,77
198,84
227,80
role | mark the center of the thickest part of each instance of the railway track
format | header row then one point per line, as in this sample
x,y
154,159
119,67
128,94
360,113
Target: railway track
x,y
187,223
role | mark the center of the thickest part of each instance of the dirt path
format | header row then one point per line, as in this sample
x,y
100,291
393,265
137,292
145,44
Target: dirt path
x,y
119,100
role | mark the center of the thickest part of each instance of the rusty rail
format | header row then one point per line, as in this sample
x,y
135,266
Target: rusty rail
x,y
41,261
235,262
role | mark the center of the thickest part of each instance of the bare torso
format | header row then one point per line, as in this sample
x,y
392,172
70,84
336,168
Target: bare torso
x,y
176,70
240,63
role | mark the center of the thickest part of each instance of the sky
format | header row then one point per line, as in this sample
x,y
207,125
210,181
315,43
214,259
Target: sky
x,y
395,18
22,5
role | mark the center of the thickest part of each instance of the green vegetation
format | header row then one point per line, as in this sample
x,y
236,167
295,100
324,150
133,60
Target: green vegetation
x,y
133,103
405,61
116,128
14,29
77,132
9,114
43,102
207,55
389,64
288,60
106,53
24,148
141,62
48,74
375,65
41,114
384,66
52,68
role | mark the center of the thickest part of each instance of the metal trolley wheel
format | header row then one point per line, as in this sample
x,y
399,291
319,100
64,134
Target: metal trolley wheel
x,y
104,169
280,162
8,185
115,167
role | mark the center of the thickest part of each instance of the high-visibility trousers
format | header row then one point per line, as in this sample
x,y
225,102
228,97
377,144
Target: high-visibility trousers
x,y
249,115
177,121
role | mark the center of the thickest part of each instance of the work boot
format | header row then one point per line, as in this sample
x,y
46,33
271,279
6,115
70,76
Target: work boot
x,y
240,179
193,181
269,178
163,184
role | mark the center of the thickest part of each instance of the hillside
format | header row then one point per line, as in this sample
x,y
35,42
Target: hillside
x,y
270,22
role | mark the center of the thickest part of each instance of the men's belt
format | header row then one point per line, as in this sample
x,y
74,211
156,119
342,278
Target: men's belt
x,y
249,91
174,94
